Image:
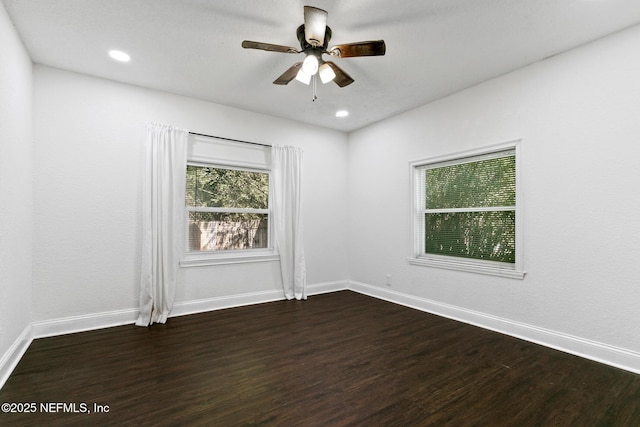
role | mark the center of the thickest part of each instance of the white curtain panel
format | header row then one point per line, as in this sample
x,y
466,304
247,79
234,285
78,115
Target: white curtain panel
x,y
286,180
162,220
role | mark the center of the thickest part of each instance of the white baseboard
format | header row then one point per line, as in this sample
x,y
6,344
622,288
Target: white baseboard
x,y
327,287
10,359
219,303
82,323
88,322
599,352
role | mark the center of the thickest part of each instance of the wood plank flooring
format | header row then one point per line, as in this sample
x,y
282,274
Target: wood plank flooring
x,y
339,359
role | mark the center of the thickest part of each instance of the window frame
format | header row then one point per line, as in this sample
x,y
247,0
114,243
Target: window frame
x,y
418,255
209,258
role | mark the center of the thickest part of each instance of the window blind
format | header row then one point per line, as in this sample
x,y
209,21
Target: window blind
x,y
466,207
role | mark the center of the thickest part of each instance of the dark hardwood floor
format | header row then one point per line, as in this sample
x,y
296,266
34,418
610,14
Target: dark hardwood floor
x,y
339,359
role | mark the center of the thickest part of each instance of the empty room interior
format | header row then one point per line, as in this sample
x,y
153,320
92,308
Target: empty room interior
x,y
435,223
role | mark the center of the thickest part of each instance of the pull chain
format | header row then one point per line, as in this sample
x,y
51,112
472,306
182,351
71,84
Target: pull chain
x,y
315,88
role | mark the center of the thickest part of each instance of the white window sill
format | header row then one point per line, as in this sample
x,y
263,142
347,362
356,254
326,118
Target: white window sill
x,y
469,267
201,260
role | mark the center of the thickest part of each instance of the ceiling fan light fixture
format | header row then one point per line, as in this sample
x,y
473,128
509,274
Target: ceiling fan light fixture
x,y
310,65
326,73
314,36
303,77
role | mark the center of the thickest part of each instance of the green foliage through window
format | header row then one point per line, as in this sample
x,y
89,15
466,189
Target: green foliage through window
x,y
229,188
470,209
482,183
228,208
478,235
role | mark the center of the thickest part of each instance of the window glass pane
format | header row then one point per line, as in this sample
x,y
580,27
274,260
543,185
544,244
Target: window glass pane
x,y
478,235
229,188
210,231
482,183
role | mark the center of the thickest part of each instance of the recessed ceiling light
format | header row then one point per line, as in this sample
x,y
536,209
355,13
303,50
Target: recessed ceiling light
x,y
342,113
119,56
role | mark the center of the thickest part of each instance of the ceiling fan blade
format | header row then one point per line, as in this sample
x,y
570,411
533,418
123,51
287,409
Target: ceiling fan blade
x,y
288,75
342,79
247,44
349,50
315,25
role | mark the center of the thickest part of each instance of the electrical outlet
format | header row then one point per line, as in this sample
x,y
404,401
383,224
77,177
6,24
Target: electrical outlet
x,y
388,280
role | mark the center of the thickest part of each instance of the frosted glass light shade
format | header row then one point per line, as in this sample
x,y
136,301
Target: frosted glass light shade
x,y
303,77
315,25
310,65
326,73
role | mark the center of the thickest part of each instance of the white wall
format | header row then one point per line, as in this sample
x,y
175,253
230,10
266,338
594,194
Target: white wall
x,y
88,152
16,207
578,115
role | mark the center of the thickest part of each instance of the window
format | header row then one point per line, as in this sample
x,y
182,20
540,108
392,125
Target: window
x,y
227,213
466,214
228,209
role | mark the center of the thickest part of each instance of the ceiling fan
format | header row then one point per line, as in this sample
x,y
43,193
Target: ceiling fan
x,y
314,36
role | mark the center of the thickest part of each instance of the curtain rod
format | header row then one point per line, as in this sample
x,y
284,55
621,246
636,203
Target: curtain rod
x,y
230,139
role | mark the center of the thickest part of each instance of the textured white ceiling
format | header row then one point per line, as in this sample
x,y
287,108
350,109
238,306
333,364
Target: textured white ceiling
x,y
192,47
